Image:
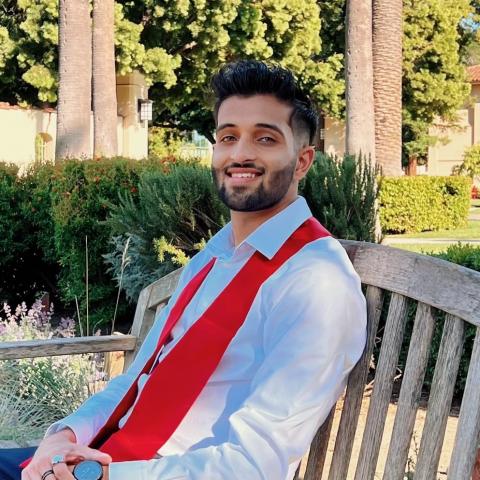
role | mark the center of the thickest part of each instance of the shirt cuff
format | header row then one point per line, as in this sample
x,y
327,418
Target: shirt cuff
x,y
83,437
147,470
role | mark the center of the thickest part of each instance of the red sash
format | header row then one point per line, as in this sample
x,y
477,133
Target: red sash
x,y
178,379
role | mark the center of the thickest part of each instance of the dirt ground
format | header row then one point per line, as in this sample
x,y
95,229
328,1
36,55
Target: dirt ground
x,y
421,414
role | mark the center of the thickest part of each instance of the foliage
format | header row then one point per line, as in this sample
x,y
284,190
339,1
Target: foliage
x,y
434,80
471,162
36,392
416,204
166,222
195,39
164,142
341,194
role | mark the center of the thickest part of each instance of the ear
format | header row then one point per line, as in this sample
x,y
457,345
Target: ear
x,y
306,155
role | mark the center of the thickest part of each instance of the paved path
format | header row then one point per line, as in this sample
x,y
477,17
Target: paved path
x,y
392,240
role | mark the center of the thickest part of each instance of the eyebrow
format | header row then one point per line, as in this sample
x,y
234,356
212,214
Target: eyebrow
x,y
270,126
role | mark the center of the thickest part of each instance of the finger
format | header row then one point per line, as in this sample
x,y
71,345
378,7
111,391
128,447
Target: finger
x,y
62,472
92,454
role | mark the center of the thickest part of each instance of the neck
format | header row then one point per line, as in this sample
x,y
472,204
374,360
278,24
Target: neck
x,y
244,223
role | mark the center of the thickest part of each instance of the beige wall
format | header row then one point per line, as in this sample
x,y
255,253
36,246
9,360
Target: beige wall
x,y
334,136
19,127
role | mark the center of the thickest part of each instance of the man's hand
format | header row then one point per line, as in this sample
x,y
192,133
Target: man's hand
x,y
61,443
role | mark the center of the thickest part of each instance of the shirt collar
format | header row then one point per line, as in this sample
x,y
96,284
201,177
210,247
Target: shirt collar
x,y
269,236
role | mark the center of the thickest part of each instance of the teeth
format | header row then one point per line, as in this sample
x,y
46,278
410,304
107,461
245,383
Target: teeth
x,y
243,175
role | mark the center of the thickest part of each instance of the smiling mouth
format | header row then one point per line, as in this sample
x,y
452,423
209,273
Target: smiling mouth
x,y
243,173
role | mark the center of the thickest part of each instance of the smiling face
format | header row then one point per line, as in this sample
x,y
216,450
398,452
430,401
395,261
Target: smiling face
x,y
257,161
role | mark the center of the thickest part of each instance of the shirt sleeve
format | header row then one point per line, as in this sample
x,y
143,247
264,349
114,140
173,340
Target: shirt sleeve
x,y
308,355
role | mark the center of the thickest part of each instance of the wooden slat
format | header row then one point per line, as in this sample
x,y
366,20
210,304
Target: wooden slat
x,y
142,322
66,346
441,395
318,449
410,393
382,391
163,289
468,429
433,281
355,388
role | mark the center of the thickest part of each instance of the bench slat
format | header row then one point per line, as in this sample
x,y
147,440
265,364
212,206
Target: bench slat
x,y
318,449
468,429
66,346
441,395
355,388
382,391
410,393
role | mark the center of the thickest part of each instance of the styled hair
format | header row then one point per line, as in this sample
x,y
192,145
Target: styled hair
x,y
252,77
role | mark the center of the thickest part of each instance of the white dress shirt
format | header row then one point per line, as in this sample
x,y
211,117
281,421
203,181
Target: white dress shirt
x,y
280,375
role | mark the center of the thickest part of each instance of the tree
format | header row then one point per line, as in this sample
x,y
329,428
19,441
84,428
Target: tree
x,y
435,82
387,84
75,73
360,133
179,44
103,80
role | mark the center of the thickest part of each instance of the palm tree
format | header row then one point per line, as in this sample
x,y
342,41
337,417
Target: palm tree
x,y
387,81
360,131
104,85
75,72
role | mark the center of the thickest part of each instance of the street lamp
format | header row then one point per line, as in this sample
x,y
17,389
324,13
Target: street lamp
x,y
145,109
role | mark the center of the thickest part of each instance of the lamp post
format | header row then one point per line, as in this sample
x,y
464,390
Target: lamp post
x,y
145,109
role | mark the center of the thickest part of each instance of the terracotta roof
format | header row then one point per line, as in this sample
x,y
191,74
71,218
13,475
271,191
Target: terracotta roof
x,y
474,73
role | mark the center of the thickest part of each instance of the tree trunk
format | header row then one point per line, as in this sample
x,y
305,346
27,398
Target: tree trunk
x,y
360,132
387,81
104,82
75,72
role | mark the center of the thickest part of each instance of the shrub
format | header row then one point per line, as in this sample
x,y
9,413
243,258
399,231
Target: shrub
x,y
341,194
36,392
471,163
172,214
416,204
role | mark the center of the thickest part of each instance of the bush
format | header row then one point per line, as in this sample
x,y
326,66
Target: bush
x,y
36,392
172,215
471,163
341,194
417,204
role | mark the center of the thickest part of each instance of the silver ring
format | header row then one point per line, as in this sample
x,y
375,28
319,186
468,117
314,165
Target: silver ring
x,y
56,459
47,473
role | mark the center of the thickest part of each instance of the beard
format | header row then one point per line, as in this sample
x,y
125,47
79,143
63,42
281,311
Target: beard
x,y
269,193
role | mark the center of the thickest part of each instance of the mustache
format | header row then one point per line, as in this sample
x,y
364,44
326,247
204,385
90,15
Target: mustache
x,y
244,165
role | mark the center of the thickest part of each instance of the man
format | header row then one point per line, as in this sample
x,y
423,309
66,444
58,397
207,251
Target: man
x,y
254,347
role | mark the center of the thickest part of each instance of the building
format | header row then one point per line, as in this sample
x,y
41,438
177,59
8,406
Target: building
x,y
446,153
28,134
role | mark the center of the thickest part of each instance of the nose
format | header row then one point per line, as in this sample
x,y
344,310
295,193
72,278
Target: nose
x,y
243,151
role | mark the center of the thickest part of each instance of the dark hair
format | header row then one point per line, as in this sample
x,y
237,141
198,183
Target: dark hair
x,y
252,77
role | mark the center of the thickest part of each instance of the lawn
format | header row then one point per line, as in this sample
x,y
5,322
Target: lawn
x,y
424,248
472,232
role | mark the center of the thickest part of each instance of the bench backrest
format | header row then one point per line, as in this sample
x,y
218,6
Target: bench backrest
x,y
403,278
392,276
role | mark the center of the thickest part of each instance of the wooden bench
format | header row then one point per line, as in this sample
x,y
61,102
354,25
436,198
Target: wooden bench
x,y
411,278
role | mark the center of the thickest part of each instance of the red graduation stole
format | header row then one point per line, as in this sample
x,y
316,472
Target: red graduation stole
x,y
178,379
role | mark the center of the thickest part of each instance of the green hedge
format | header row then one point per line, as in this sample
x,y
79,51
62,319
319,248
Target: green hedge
x,y
417,204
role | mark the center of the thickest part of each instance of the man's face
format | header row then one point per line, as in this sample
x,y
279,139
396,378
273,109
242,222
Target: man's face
x,y
255,156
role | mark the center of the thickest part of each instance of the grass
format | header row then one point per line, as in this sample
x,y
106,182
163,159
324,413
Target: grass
x,y
472,231
424,248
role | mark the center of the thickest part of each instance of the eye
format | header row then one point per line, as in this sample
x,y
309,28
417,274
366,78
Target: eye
x,y
227,138
266,139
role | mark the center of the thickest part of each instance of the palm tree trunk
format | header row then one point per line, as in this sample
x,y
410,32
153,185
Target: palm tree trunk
x,y
104,85
75,72
387,80
360,131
